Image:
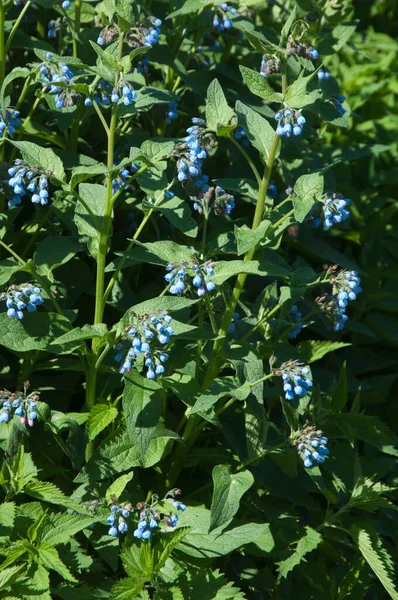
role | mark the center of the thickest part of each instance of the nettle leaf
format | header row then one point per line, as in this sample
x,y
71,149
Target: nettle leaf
x,y
296,94
58,528
306,544
126,589
7,517
258,130
142,408
118,486
49,557
259,85
228,490
101,415
308,189
246,238
218,114
377,557
53,252
48,492
10,576
37,156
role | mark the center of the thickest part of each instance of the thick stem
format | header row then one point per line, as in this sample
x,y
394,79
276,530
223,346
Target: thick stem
x,y
78,9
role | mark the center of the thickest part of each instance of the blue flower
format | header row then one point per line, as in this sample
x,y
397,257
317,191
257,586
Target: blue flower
x,y
172,112
179,275
289,122
332,210
345,288
311,445
9,122
296,316
296,382
323,74
21,297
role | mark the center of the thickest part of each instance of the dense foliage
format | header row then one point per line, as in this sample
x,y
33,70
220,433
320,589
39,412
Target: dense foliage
x,y
198,296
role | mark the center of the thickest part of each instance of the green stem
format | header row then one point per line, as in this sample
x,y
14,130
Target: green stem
x,y
15,27
101,116
11,251
247,157
2,43
74,132
78,9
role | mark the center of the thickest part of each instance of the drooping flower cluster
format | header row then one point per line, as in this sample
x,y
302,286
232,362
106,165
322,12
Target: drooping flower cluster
x,y
102,94
123,91
53,74
296,317
54,27
345,288
153,514
331,209
295,379
19,404
21,297
221,20
191,154
296,48
137,36
25,179
216,200
145,338
9,122
337,101
171,112
240,134
117,518
143,66
178,275
289,121
311,445
124,174
270,65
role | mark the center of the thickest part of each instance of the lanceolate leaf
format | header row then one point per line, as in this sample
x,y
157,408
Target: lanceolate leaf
x,y
228,490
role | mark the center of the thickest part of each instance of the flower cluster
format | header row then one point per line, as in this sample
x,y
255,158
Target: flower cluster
x,y
323,74
216,199
191,154
332,210
140,339
289,122
178,273
221,19
124,174
151,515
240,134
102,94
296,48
25,179
123,91
9,122
270,65
117,518
137,36
296,317
53,74
337,101
311,445
54,27
346,287
21,297
143,66
231,326
295,379
171,112
19,404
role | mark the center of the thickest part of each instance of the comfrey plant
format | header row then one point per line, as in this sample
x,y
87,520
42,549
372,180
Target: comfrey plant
x,y
176,274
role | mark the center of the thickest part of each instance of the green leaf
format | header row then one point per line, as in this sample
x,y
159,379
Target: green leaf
x,y
296,94
125,13
118,486
58,528
10,576
148,96
370,546
142,409
258,130
53,252
336,39
313,350
37,156
218,114
35,332
48,492
246,238
78,334
8,267
16,73
306,544
157,148
177,211
189,7
228,490
107,66
288,25
126,589
340,395
101,415
259,85
226,269
308,189
90,220
7,517
49,557
218,389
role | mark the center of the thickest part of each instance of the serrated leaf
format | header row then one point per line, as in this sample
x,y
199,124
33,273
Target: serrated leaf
x,y
11,575
218,114
49,557
313,350
126,589
49,492
37,156
228,490
258,130
101,415
59,528
306,544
